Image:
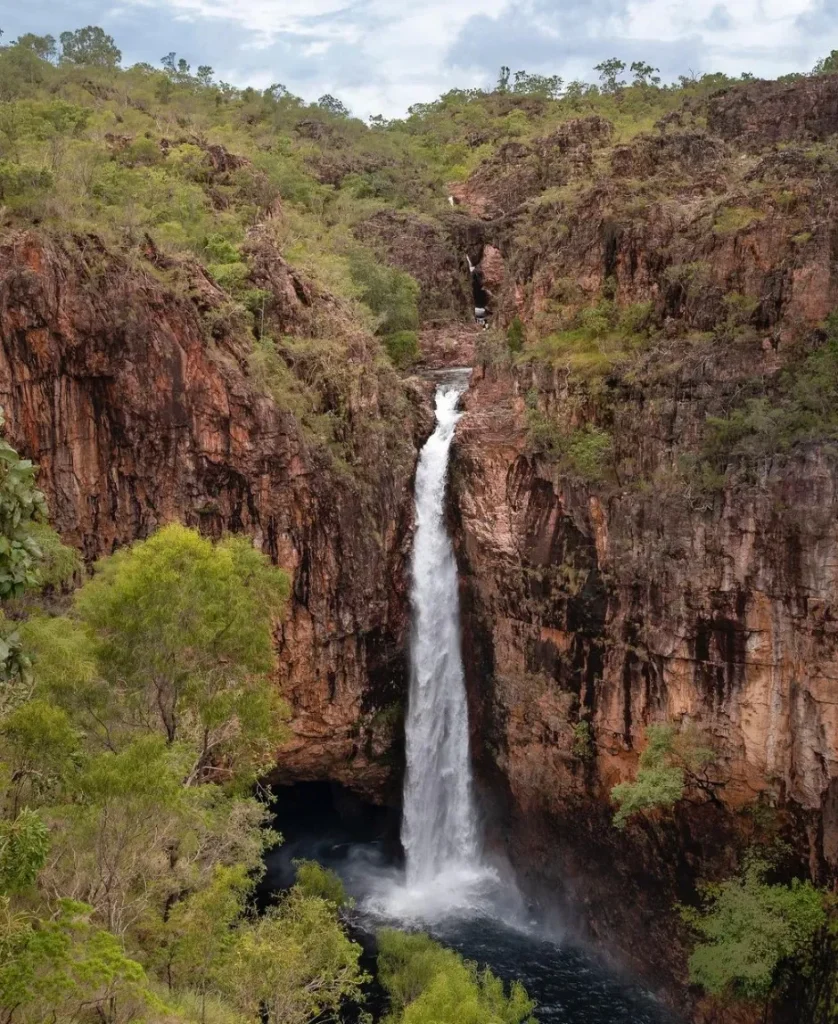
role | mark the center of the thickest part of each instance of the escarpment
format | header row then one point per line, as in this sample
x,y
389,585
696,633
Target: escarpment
x,y
646,496
134,386
644,488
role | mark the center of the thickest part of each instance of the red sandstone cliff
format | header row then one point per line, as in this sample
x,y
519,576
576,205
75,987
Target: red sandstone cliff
x,y
135,397
641,597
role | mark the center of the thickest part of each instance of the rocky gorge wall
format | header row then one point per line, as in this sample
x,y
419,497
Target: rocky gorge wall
x,y
622,609
136,399
614,599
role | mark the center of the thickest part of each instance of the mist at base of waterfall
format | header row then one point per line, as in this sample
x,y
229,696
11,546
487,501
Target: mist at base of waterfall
x,y
477,912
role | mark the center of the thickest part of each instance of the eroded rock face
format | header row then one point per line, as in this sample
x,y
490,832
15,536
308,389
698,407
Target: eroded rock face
x,y
644,598
139,408
519,171
620,608
422,247
771,112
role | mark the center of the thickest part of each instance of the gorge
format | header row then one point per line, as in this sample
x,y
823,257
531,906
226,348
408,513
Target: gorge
x,y
639,523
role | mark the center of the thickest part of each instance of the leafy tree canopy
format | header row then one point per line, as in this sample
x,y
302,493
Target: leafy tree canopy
x,y
89,46
669,760
748,928
429,984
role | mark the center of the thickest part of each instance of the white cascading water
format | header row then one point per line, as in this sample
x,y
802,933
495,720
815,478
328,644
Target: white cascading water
x,y
439,829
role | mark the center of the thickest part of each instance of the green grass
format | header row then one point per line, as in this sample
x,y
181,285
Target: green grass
x,y
730,220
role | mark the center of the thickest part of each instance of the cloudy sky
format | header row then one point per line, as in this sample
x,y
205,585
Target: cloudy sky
x,y
380,56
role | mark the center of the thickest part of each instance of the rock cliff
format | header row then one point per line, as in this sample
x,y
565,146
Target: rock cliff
x,y
599,598
127,379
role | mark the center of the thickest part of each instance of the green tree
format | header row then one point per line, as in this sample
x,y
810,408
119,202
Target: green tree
x,y
31,555
21,506
183,634
748,929
38,748
294,963
391,294
429,984
609,74
24,844
333,105
90,47
549,86
515,335
827,65
42,46
64,968
132,839
315,880
669,761
197,939
645,74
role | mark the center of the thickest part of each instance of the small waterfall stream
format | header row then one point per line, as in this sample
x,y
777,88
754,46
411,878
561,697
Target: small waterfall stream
x,y
439,830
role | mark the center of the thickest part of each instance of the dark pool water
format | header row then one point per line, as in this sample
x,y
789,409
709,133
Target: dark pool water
x,y
568,984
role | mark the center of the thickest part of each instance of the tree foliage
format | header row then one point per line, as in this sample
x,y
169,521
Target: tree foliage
x,y
31,555
89,47
428,984
182,630
670,760
21,506
129,841
334,106
609,74
827,65
294,963
748,929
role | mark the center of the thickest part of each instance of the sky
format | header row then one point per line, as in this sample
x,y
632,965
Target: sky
x,y
380,56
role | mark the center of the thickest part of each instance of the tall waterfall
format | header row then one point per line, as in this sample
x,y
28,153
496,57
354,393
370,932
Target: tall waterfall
x,y
439,829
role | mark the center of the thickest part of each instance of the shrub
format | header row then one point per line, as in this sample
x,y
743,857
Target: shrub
x,y
141,151
515,335
583,741
732,219
747,929
429,984
803,407
315,880
402,348
669,760
391,294
586,451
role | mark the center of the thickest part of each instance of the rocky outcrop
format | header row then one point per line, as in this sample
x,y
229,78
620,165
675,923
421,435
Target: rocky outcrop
x,y
520,171
136,399
596,604
616,608
764,113
422,247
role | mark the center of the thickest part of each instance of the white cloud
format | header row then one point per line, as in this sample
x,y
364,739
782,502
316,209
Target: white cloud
x,y
380,56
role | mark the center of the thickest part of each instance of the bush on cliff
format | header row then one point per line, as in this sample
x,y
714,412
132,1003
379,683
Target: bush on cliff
x,y
802,406
669,761
748,930
586,451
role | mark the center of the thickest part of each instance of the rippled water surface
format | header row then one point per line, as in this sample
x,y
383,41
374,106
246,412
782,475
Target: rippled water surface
x,y
568,984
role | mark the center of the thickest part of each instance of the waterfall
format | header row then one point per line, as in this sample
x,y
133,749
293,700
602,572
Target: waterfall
x,y
439,829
